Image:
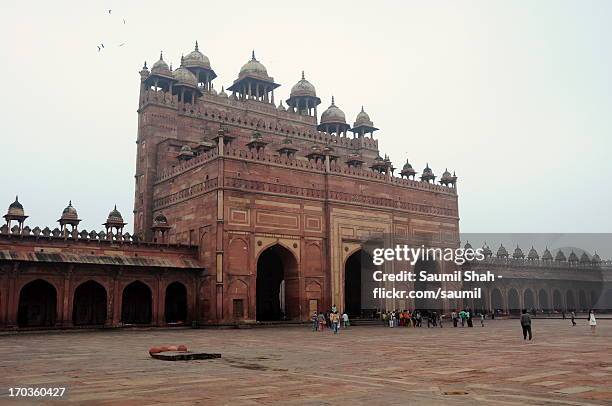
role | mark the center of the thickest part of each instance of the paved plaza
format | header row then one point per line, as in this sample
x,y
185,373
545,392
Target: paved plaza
x,y
366,365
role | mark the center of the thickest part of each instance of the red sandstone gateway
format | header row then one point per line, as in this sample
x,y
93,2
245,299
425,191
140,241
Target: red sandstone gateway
x,y
245,210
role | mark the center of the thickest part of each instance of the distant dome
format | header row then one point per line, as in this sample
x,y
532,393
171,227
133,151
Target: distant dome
x,y
595,259
518,253
333,115
533,254
15,208
222,93
447,175
196,59
185,77
584,258
560,257
161,67
303,88
486,251
572,257
547,256
69,212
501,252
253,67
427,170
114,217
363,119
281,107
467,245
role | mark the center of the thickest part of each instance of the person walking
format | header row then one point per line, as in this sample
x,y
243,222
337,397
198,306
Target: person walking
x,y
592,321
454,318
321,319
335,321
482,317
573,316
315,321
526,324
345,319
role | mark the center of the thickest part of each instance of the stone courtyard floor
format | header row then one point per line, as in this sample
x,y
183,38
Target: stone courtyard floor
x,y
366,365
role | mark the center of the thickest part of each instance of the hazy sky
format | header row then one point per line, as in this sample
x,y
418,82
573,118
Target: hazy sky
x,y
514,95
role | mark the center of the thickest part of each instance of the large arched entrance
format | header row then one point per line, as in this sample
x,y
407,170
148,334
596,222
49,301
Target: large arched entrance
x,y
428,304
514,306
136,304
543,300
176,303
528,300
582,300
497,302
89,304
277,286
37,305
557,301
570,303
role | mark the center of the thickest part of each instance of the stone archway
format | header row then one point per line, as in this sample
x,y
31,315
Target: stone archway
x,y
570,303
528,300
277,286
557,301
582,301
89,304
514,306
176,303
37,304
136,304
543,300
497,301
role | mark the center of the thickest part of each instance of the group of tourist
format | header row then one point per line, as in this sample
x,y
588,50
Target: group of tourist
x,y
331,319
416,318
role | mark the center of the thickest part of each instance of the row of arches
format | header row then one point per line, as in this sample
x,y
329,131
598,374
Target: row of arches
x,y
38,304
542,300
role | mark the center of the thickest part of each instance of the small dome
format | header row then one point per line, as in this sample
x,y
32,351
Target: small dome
x,y
222,93
447,175
501,252
161,67
363,119
281,107
303,88
185,77
15,208
560,257
213,91
196,59
572,257
407,166
547,256
69,212
596,259
486,251
518,253
114,216
584,258
427,170
253,67
333,115
160,219
467,246
533,254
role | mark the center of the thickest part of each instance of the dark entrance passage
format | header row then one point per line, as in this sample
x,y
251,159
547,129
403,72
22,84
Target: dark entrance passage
x,y
352,284
89,304
37,305
277,285
176,303
136,304
427,304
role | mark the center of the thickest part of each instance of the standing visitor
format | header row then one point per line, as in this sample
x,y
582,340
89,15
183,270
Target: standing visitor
x,y
315,321
573,315
526,324
335,321
469,318
592,321
345,319
321,321
482,317
333,309
454,318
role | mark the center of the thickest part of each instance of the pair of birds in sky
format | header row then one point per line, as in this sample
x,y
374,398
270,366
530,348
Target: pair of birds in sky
x,y
101,45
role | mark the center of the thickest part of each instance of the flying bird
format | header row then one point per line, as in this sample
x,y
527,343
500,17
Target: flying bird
x,y
109,11
124,21
122,44
99,49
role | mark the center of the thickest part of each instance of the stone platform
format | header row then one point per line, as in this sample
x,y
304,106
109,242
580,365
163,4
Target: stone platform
x,y
374,365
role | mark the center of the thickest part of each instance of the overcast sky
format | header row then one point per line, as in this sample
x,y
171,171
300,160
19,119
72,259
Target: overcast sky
x,y
514,95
